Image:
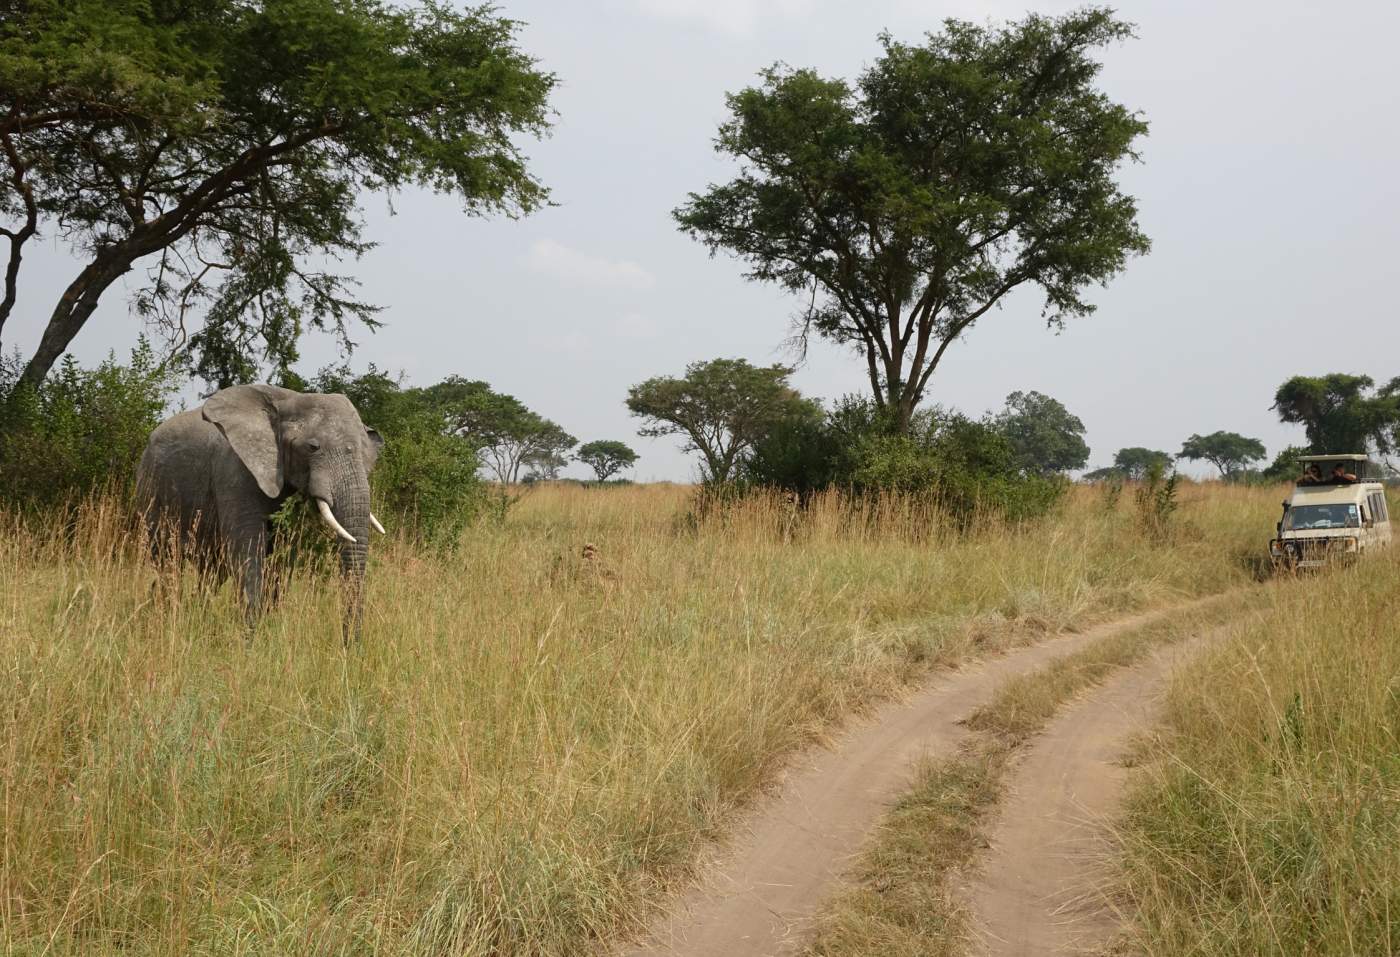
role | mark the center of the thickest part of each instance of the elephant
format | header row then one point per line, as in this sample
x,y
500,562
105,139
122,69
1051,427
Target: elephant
x,y
213,477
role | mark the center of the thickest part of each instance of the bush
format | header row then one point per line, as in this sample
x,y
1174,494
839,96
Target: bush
x,y
81,429
426,481
964,465
1156,501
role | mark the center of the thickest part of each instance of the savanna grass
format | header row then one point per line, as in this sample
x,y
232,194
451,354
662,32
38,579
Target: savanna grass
x,y
529,747
1267,820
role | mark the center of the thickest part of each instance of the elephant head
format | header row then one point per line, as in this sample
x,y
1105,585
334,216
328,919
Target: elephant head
x,y
311,443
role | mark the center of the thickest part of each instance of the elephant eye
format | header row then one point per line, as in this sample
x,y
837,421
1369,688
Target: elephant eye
x,y
313,444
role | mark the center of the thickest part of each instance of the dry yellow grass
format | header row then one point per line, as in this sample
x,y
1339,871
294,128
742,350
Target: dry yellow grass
x,y
528,747
1266,820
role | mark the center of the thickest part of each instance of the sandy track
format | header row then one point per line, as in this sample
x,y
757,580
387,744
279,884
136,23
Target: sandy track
x,y
789,853
1039,889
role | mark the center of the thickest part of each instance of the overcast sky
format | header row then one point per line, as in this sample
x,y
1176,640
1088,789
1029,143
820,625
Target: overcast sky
x,y
1268,188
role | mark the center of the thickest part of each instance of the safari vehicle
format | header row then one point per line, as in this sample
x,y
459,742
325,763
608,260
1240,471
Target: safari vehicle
x,y
1337,511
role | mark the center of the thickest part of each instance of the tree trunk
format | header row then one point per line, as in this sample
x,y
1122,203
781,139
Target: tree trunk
x,y
74,309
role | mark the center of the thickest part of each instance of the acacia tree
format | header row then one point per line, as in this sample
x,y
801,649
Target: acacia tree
x,y
606,457
1137,462
506,434
232,138
1340,413
1229,452
908,206
1045,436
722,407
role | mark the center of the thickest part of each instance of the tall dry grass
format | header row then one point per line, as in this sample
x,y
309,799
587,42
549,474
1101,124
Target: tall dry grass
x,y
529,747
1267,822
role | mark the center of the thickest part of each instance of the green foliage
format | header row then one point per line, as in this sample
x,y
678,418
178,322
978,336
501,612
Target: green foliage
x,y
81,430
1045,437
1156,500
1230,452
964,465
1109,473
1111,488
1285,467
1138,463
425,481
907,206
721,407
1340,413
233,139
606,457
500,429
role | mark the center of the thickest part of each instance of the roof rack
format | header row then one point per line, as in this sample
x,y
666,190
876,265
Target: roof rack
x,y
1347,457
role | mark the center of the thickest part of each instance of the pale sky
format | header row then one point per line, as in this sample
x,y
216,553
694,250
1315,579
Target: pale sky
x,y
1267,187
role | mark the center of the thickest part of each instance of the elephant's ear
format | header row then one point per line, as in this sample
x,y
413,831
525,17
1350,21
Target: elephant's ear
x,y
376,444
247,416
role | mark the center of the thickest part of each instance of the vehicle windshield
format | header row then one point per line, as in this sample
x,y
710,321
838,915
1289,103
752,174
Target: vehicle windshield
x,y
1302,517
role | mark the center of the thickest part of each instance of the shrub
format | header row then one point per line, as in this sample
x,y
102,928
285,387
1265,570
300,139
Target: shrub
x,y
81,429
426,480
964,465
1156,501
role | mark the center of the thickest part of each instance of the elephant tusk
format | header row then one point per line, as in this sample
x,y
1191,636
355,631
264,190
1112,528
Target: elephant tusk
x,y
325,511
375,522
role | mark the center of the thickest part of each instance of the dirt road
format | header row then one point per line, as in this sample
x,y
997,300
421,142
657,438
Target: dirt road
x,y
1039,888
785,860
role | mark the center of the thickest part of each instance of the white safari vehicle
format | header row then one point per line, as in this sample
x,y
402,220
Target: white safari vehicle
x,y
1337,511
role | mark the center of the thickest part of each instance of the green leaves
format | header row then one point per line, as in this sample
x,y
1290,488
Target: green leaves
x,y
1044,435
907,206
1341,413
722,407
500,428
232,138
1137,462
1230,452
606,457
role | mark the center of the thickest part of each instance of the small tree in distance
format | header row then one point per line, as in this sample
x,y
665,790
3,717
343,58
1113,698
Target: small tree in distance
x,y
505,433
721,407
1045,436
606,457
1137,462
1229,452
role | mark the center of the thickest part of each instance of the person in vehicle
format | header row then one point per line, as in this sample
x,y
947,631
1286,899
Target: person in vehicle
x,y
1341,476
1312,475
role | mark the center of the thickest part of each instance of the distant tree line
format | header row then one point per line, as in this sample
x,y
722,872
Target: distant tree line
x,y
1339,413
751,427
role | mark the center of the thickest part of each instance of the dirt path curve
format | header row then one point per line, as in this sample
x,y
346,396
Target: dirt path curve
x,y
787,856
1038,891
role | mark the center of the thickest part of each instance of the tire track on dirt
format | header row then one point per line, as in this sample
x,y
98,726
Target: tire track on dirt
x,y
1039,889
789,853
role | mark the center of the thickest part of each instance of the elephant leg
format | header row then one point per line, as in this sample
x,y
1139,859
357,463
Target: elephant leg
x,y
243,526
246,560
275,575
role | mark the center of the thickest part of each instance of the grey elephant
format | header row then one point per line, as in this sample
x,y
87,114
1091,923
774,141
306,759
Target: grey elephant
x,y
214,476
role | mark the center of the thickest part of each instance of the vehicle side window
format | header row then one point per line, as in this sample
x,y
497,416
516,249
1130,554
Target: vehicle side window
x,y
1382,509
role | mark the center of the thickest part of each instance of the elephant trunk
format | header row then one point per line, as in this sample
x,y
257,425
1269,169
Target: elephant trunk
x,y
350,505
